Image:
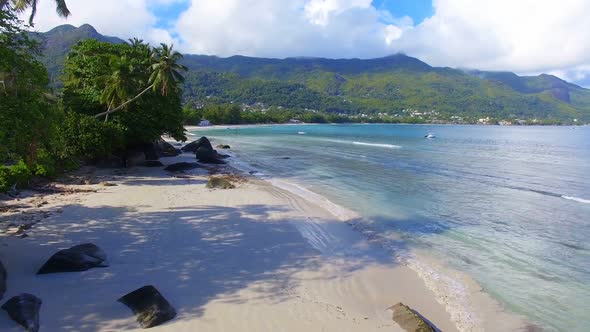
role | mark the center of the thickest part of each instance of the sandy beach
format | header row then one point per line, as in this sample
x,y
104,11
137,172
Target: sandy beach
x,y
253,258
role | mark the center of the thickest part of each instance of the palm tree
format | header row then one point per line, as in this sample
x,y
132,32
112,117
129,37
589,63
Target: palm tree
x,y
120,84
165,76
22,5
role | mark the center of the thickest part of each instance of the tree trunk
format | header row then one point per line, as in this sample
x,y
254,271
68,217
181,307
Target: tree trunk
x,y
125,103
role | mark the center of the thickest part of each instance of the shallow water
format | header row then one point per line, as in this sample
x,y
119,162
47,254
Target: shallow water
x,y
510,206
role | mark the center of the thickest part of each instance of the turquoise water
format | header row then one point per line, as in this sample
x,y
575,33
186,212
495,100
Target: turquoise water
x,y
508,205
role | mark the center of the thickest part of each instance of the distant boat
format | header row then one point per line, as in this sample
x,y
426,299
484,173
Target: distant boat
x,y
430,136
301,133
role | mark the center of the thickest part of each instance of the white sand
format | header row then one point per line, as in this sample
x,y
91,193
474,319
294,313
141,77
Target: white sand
x,y
254,258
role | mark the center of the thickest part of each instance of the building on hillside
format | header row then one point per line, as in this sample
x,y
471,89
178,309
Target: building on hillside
x,y
204,123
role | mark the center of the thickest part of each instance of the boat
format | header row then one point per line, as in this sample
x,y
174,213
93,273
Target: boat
x,y
430,136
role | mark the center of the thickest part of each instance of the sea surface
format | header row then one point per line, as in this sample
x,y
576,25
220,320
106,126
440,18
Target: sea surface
x,y
510,206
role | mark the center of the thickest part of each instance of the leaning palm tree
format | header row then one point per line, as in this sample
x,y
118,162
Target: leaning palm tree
x,y
22,5
165,76
119,84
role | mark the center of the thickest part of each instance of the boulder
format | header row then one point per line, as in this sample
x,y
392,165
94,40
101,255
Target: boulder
x,y
165,149
194,146
3,277
149,306
219,183
410,320
75,259
179,167
207,156
24,309
223,146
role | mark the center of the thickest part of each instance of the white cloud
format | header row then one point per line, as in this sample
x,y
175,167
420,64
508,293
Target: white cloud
x,y
526,36
125,19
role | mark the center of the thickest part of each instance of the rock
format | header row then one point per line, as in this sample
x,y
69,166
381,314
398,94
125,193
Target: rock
x,y
75,259
3,277
108,184
410,320
24,309
165,149
149,306
194,146
150,151
222,146
184,166
223,156
152,163
219,183
208,156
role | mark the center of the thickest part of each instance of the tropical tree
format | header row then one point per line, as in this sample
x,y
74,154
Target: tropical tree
x,y
120,84
165,76
23,5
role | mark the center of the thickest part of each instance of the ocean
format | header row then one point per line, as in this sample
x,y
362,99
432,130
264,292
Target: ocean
x,y
509,206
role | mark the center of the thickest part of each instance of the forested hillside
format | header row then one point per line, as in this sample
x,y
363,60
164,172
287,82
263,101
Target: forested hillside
x,y
396,85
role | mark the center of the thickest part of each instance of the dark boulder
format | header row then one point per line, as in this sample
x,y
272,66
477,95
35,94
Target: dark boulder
x,y
149,306
223,146
77,258
3,277
165,149
223,156
24,309
410,320
194,146
179,167
207,156
150,150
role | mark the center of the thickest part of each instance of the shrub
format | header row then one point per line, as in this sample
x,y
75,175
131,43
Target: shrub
x,y
18,174
91,139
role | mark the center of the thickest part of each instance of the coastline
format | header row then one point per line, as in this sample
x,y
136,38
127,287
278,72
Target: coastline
x,y
258,257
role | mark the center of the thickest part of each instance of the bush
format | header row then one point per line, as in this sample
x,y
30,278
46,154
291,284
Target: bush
x,y
45,164
91,139
18,175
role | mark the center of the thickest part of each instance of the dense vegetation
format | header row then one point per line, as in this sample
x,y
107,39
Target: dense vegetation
x,y
389,89
115,97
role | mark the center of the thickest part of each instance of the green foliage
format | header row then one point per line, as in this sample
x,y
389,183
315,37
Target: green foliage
x,y
17,175
191,116
89,138
100,76
223,114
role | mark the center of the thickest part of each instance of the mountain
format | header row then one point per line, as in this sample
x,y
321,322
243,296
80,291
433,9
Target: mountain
x,y
396,84
57,42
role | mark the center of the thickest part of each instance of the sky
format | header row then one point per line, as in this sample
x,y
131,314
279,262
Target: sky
x,y
525,36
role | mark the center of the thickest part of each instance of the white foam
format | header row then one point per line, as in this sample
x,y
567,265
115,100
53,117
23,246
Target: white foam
x,y
577,199
301,133
388,146
338,211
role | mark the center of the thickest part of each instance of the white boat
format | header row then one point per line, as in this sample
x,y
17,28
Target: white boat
x,y
430,136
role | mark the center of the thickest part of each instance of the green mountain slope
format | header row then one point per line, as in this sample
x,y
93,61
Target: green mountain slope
x,y
57,42
397,85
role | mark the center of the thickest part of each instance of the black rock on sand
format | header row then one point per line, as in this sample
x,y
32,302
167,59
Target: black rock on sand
x,y
24,309
149,306
75,259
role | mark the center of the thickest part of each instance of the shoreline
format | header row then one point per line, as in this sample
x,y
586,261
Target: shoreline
x,y
470,307
306,268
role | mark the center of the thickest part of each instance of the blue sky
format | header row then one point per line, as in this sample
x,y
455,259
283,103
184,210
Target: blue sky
x,y
418,10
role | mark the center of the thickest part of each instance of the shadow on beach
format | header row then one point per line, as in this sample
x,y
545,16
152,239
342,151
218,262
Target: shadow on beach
x,y
193,255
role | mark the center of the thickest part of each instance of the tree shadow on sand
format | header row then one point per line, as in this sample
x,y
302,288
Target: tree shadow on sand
x,y
193,255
